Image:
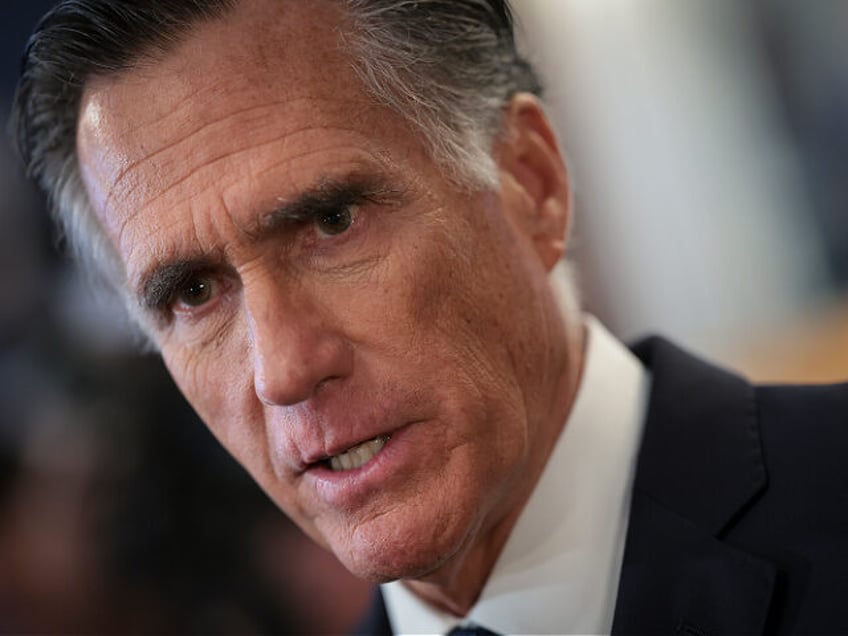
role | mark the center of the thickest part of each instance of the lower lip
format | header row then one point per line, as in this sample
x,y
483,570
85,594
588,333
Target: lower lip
x,y
351,488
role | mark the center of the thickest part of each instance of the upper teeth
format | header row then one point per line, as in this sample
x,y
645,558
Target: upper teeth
x,y
358,455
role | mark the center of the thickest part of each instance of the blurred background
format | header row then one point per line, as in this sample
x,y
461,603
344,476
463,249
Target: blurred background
x,y
708,145
708,150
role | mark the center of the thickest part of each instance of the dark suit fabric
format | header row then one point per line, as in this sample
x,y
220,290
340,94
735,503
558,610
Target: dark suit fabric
x,y
739,517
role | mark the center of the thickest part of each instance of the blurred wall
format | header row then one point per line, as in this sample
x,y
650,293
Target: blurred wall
x,y
695,212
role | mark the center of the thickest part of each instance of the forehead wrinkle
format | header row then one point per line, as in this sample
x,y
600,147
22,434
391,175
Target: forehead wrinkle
x,y
362,158
331,144
210,126
135,77
251,228
126,221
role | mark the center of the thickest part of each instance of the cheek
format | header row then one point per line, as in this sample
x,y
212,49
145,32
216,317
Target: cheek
x,y
192,373
469,297
189,374
217,385
463,305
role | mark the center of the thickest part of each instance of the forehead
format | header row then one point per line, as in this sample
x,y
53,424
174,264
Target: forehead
x,y
268,66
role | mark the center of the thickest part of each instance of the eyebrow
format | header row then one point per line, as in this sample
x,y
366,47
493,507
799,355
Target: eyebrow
x,y
327,195
157,285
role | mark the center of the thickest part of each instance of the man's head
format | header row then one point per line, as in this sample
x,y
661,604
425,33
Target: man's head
x,y
337,221
448,67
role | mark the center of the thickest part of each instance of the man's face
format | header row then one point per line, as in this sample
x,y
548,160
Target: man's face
x,y
379,349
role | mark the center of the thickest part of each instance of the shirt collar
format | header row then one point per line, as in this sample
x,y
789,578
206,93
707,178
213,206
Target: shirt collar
x,y
559,570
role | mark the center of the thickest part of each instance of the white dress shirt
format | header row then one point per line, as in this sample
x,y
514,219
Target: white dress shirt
x,y
558,572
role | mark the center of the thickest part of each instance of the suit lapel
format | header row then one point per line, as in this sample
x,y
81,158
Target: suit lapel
x,y
700,464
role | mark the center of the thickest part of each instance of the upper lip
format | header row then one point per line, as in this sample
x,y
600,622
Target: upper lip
x,y
332,427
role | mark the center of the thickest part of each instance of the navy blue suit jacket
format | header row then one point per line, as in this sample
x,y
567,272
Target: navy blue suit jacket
x,y
739,518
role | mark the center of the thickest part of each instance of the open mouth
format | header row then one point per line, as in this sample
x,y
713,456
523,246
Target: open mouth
x,y
357,456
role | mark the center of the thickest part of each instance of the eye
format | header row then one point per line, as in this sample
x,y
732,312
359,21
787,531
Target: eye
x,y
196,291
335,221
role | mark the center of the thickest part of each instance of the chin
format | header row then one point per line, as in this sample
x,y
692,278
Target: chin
x,y
381,557
385,569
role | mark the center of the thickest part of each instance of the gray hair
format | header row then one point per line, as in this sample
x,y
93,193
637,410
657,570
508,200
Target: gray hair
x,y
73,42
447,66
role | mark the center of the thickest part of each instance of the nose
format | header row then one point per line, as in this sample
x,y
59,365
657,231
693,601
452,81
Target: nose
x,y
294,348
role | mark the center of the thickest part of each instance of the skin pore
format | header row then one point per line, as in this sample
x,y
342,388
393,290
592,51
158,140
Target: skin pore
x,y
314,283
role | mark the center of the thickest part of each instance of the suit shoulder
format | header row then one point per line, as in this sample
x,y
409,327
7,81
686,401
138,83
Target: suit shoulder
x,y
809,421
805,404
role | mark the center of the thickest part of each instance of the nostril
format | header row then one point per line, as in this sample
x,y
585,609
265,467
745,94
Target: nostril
x,y
326,380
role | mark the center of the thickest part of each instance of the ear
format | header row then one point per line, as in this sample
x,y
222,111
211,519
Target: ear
x,y
534,183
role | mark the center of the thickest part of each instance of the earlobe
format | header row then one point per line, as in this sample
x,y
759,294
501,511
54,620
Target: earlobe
x,y
534,178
